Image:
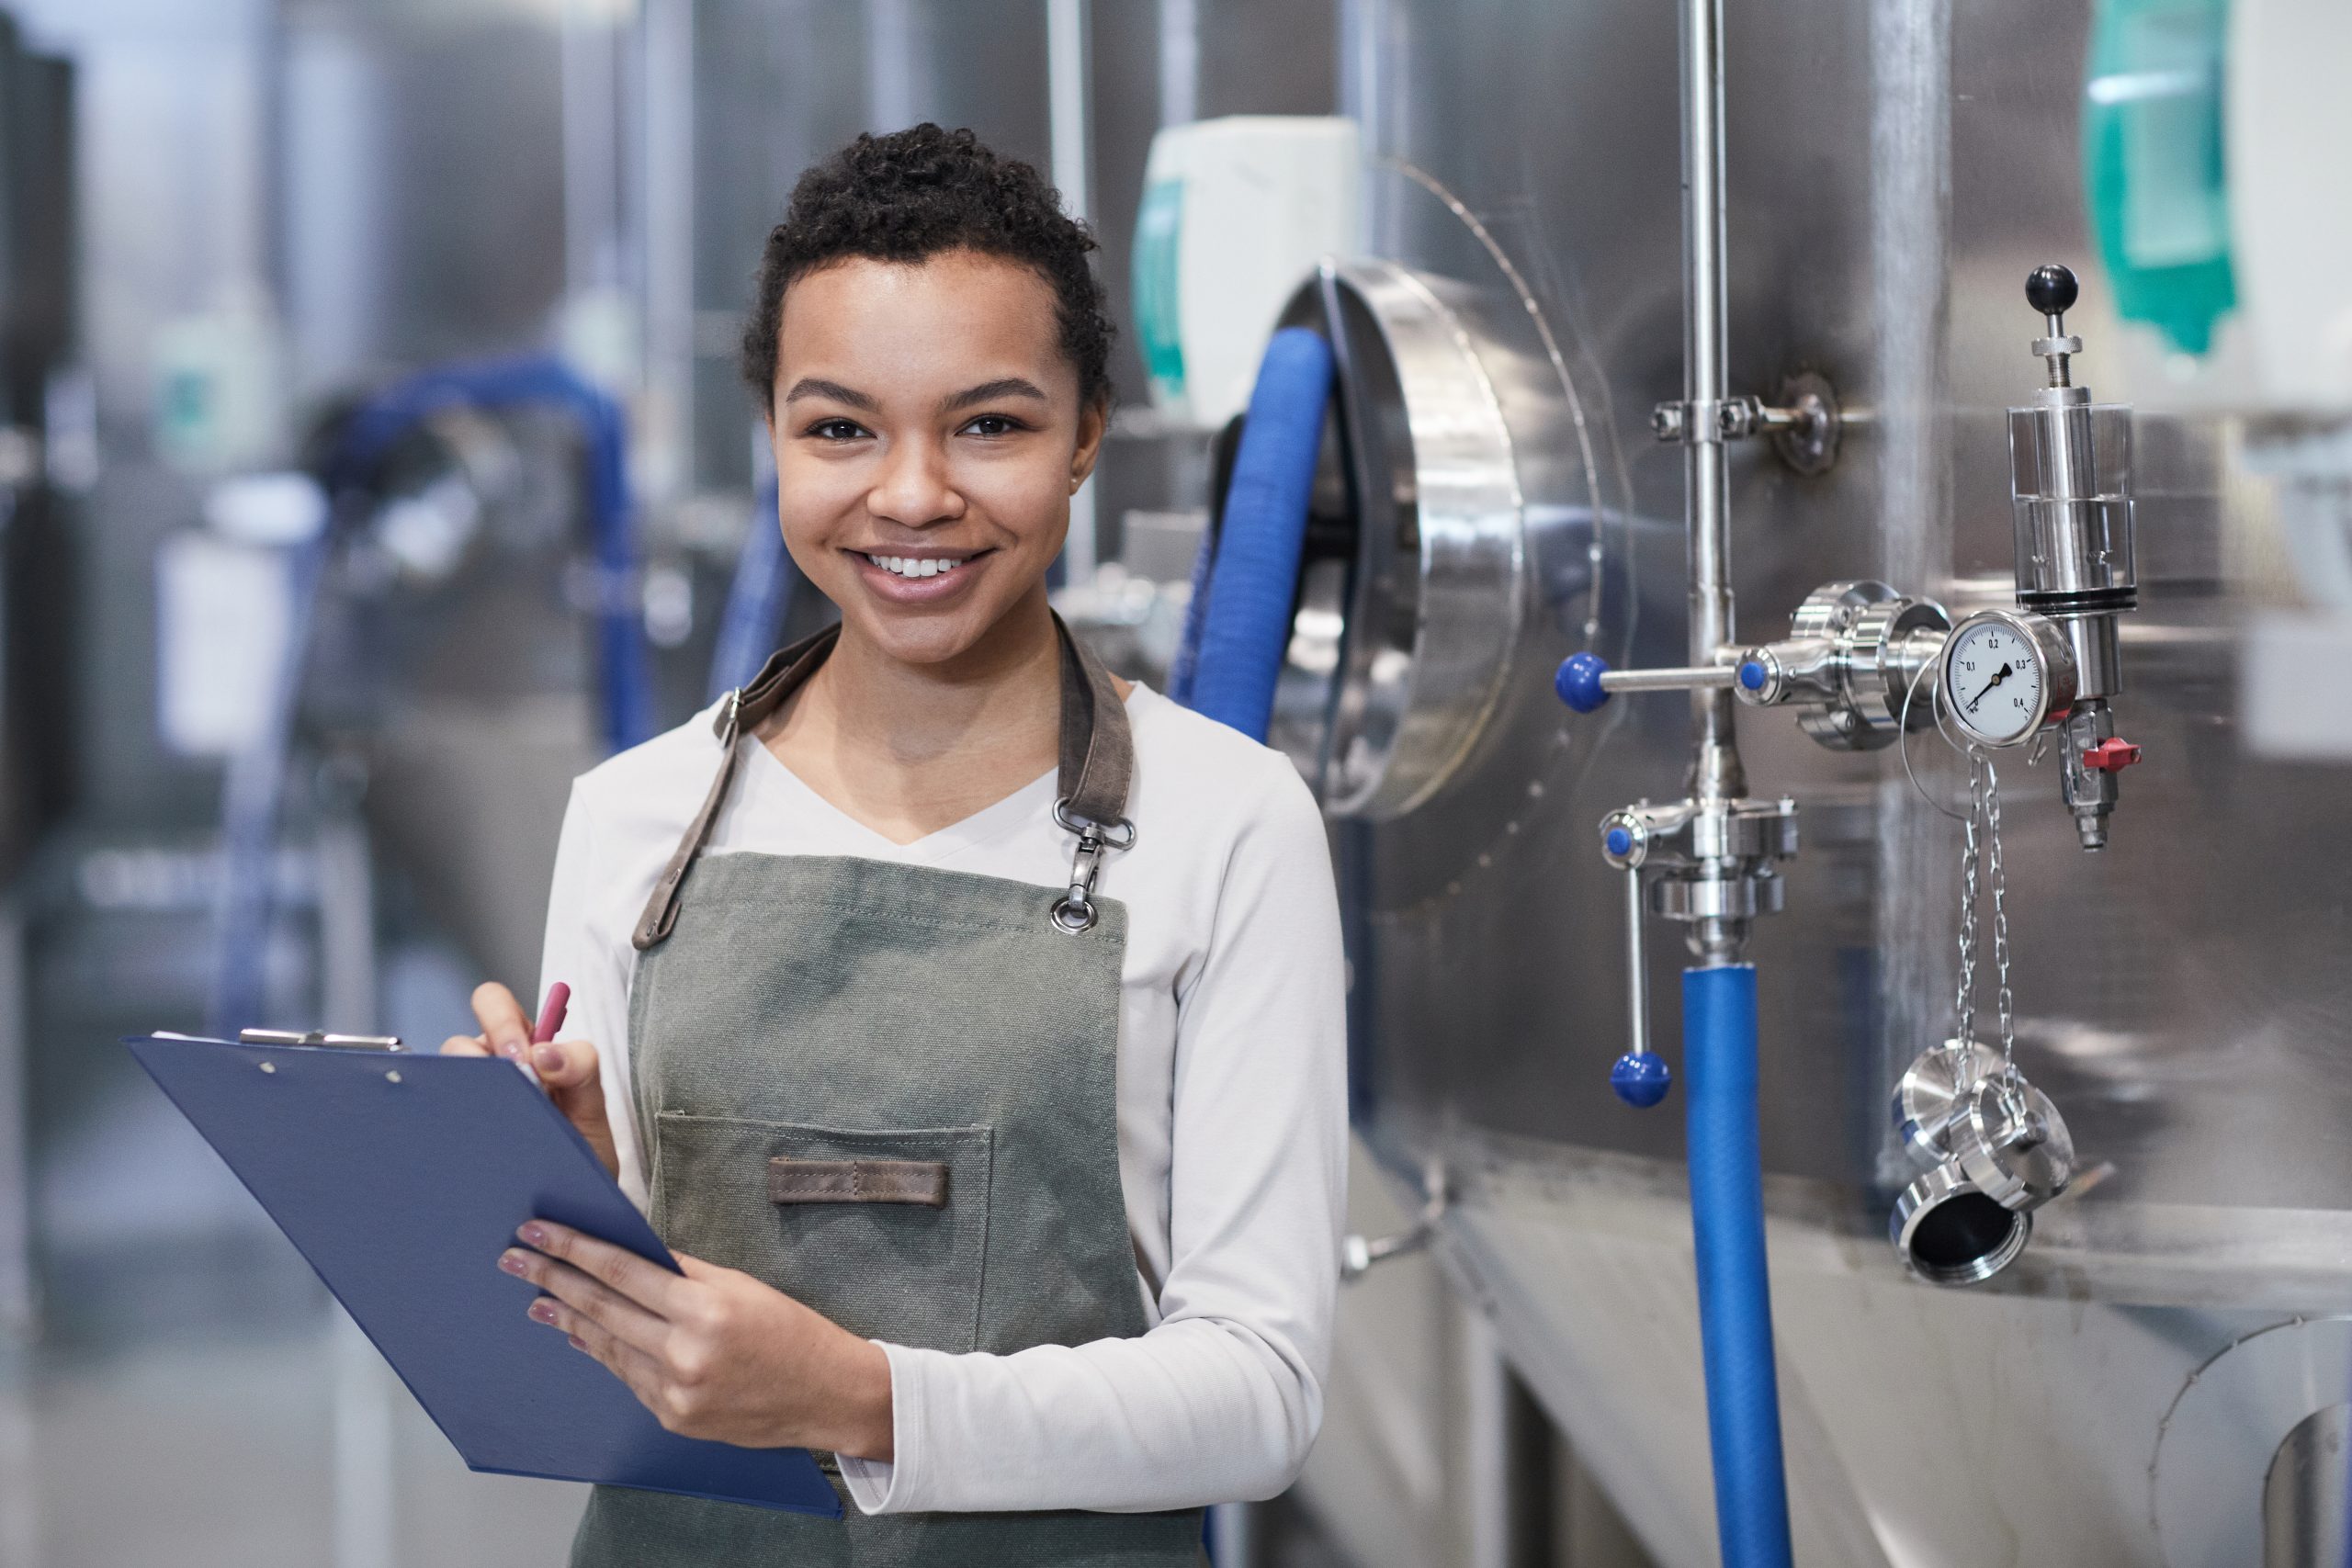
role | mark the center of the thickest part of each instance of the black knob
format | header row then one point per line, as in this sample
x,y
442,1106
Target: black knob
x,y
2051,289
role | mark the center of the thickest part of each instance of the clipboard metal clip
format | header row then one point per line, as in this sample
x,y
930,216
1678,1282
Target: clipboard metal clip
x,y
318,1037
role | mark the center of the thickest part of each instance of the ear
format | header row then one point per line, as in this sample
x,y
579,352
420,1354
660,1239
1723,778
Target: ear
x,y
1094,424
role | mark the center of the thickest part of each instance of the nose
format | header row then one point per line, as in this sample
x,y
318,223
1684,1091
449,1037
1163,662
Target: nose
x,y
912,487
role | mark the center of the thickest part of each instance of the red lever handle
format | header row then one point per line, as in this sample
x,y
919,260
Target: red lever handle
x,y
2111,756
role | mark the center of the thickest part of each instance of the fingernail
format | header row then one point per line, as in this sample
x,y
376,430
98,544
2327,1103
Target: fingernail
x,y
512,1262
577,1343
511,1047
547,1058
533,1235
543,1310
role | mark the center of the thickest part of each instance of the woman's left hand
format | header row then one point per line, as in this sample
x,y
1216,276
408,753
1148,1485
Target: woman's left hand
x,y
713,1353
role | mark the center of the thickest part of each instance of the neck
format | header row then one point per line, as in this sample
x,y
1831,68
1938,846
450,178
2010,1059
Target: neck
x,y
1007,687
909,749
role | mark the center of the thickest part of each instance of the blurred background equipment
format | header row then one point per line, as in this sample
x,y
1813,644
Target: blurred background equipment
x,y
373,460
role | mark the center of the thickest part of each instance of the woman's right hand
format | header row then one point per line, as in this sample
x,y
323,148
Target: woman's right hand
x,y
567,1069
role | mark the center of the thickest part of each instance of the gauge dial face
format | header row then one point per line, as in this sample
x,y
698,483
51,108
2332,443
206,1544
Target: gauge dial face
x,y
1995,682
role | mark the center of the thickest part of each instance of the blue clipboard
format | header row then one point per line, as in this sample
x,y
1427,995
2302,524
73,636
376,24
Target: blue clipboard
x,y
401,1178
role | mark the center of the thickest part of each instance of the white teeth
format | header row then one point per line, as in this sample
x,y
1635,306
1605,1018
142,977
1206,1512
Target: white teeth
x,y
909,567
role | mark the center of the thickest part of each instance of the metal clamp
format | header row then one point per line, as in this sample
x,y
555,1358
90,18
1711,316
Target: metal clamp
x,y
1074,912
1804,425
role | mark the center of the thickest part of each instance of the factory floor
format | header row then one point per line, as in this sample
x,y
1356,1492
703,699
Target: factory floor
x,y
220,1413
211,1408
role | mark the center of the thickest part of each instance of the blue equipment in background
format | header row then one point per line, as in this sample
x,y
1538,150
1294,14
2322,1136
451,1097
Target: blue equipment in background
x,y
1228,669
752,626
255,785
624,674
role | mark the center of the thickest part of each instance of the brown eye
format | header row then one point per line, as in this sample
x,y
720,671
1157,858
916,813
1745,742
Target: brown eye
x,y
995,424
836,430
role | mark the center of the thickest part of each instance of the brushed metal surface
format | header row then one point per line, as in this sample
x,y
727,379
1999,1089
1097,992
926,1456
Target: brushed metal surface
x,y
1894,173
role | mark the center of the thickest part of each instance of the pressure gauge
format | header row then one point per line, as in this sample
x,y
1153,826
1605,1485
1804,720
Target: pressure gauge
x,y
2006,674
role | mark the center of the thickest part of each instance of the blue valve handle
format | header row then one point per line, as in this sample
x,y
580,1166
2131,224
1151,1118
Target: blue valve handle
x,y
1579,681
1641,1078
1753,675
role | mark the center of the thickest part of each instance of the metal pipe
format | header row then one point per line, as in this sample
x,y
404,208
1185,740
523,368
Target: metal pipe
x,y
1668,678
1716,774
1637,968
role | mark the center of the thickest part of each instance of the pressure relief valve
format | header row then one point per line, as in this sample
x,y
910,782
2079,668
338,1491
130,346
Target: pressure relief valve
x,y
2070,472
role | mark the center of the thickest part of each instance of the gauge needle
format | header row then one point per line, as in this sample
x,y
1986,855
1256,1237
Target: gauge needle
x,y
2000,676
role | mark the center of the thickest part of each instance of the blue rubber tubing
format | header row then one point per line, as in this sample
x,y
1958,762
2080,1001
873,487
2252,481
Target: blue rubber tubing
x,y
624,673
1734,1297
753,624
1254,580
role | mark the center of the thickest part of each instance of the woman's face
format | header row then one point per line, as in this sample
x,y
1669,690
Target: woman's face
x,y
928,437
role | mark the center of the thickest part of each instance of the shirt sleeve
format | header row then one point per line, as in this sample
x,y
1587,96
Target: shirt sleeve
x,y
1220,1401
595,961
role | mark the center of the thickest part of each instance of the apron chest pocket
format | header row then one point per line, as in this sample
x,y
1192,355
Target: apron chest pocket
x,y
883,1231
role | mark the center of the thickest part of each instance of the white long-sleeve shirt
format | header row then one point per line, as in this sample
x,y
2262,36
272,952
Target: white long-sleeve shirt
x,y
1232,1108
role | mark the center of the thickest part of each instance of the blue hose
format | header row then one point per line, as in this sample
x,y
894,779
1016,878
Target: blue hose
x,y
1735,1298
751,627
1254,580
242,909
622,671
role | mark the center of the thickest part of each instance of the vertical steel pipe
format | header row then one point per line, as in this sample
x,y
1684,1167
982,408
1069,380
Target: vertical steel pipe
x,y
1716,774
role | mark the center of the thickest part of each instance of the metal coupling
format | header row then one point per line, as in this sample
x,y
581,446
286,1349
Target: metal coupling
x,y
1994,1149
1853,654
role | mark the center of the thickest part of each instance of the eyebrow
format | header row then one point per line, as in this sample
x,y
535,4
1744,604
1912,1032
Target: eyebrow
x,y
811,386
988,391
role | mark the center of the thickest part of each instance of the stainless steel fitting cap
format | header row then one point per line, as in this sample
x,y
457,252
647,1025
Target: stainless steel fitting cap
x,y
2013,1144
1949,1232
1936,1088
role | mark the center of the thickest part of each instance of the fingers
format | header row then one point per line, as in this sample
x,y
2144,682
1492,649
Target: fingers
x,y
590,1300
647,1285
566,1064
505,1025
569,1071
639,1371
464,1046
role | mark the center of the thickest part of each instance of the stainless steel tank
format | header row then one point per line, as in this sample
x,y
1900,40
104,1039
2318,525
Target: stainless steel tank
x,y
2149,1381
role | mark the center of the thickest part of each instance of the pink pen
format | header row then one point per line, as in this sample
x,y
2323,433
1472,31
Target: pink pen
x,y
551,1014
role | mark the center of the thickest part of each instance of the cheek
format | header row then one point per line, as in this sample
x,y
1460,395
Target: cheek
x,y
1029,498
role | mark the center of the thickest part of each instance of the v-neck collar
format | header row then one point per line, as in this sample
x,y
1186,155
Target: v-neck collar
x,y
989,822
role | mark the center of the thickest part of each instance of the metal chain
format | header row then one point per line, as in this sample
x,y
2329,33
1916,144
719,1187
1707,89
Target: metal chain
x,y
2000,926
1966,1001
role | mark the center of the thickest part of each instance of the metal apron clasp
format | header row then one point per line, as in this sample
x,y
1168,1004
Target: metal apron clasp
x,y
1073,913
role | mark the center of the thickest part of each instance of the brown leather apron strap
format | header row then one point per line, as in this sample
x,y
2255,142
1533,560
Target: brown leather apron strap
x,y
1097,761
1097,767
743,708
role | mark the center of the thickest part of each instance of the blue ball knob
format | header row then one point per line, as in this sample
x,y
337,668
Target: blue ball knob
x,y
1753,675
1641,1078
1579,681
1618,841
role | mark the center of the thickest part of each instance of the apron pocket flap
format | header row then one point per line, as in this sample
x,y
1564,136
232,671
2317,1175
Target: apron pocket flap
x,y
922,1181
854,1222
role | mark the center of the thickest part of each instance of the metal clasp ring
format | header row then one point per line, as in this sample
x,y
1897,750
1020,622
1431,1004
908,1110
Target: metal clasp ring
x,y
1074,912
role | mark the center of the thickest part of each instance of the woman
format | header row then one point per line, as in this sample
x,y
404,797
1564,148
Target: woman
x,y
968,1020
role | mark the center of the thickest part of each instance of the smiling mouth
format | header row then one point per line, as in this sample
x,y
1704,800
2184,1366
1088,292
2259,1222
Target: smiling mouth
x,y
916,568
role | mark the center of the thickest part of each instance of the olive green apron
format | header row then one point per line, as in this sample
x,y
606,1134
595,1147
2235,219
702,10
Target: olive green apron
x,y
890,1092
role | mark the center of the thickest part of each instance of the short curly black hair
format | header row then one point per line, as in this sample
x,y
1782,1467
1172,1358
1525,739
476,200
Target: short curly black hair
x,y
915,194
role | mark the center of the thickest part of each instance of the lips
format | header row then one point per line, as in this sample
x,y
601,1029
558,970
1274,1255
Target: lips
x,y
917,577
